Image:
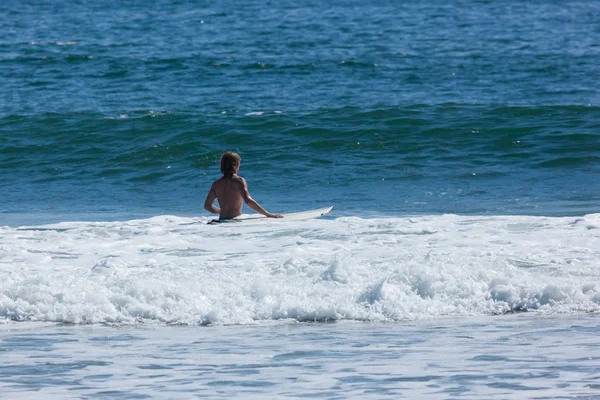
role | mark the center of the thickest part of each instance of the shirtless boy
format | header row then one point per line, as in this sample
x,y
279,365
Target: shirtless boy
x,y
231,191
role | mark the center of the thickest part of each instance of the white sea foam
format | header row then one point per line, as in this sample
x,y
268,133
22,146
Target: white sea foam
x,y
182,271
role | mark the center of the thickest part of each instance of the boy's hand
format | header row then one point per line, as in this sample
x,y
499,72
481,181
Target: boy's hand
x,y
269,215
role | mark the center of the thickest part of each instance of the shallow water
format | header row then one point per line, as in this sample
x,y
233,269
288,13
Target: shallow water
x,y
518,356
172,307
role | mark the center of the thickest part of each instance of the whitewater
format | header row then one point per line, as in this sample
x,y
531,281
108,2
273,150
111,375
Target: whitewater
x,y
170,270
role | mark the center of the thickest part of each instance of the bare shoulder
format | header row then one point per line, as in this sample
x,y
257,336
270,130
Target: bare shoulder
x,y
239,182
217,183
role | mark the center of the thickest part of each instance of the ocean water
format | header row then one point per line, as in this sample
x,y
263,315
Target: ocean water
x,y
459,143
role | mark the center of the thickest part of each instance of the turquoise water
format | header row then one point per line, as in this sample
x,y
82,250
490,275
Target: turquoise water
x,y
459,143
388,109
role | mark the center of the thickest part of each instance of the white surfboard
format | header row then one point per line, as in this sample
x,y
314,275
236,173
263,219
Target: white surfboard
x,y
299,216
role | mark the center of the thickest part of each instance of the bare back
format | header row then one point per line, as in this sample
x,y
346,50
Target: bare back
x,y
229,192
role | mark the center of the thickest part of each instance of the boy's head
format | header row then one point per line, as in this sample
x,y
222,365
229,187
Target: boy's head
x,y
230,163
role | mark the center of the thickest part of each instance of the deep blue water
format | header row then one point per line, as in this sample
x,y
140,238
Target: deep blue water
x,y
394,108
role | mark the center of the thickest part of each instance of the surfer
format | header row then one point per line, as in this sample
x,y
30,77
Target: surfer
x,y
231,191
